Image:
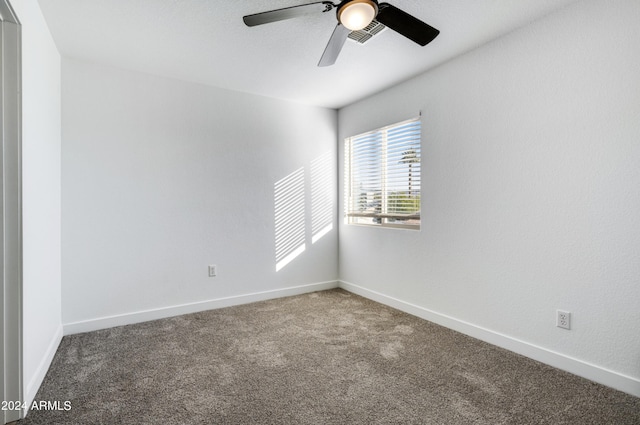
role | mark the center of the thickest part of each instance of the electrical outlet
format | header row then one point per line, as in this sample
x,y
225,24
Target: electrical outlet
x,y
213,271
563,319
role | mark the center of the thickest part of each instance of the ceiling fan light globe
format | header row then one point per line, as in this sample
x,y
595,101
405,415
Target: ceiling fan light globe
x,y
357,14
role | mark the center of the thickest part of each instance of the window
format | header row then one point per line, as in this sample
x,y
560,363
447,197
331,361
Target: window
x,y
382,176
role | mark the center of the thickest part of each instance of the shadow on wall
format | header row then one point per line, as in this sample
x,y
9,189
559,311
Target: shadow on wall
x,y
290,209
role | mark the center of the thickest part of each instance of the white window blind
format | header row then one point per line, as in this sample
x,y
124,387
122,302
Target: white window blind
x,y
382,176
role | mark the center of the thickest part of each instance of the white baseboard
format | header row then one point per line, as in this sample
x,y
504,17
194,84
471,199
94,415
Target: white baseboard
x,y
31,390
586,370
161,313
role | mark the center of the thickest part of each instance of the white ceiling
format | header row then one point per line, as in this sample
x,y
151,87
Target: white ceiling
x,y
205,41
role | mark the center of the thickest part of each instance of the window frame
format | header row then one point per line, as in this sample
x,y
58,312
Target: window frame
x,y
351,212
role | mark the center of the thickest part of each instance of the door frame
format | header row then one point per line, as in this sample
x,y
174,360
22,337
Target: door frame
x,y
11,212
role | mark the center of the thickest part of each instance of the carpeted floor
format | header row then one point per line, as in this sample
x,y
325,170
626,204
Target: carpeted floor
x,y
323,358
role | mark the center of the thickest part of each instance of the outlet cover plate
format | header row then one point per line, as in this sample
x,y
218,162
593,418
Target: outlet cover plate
x,y
563,319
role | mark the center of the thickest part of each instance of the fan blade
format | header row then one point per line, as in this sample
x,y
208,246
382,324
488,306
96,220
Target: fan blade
x,y
286,13
403,23
331,52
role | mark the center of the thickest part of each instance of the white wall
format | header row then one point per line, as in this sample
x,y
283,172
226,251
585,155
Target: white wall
x,y
531,177
42,327
162,178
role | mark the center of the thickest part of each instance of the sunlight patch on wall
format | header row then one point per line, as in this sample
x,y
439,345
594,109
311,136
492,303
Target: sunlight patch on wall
x,y
289,217
322,173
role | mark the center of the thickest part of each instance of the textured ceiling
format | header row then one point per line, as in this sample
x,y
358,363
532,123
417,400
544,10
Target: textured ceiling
x,y
205,41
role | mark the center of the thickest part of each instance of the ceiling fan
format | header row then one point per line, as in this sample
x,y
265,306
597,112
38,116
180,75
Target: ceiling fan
x,y
353,15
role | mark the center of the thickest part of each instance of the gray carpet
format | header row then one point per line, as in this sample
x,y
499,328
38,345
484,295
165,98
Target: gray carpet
x,y
324,358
